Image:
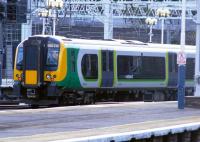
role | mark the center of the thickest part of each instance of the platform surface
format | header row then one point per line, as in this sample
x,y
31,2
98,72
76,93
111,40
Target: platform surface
x,y
51,124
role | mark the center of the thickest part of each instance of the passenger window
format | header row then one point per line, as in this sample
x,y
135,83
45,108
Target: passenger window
x,y
89,66
140,67
153,67
128,66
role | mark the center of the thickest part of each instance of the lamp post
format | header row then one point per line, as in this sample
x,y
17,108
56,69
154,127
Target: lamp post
x,y
150,22
53,6
162,13
44,14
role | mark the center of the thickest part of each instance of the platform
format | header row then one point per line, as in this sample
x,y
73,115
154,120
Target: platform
x,y
192,101
94,122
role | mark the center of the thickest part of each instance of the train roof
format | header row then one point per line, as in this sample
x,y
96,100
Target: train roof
x,y
121,45
130,45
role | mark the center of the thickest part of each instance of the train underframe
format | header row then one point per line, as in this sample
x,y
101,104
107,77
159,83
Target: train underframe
x,y
52,95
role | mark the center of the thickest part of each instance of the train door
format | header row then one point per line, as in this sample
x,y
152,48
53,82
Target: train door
x,y
107,68
33,75
173,69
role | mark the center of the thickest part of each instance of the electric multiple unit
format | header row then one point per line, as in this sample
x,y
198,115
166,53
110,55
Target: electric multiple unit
x,y
58,70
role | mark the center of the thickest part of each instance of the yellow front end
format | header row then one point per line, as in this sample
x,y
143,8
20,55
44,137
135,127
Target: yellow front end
x,y
31,77
49,76
18,73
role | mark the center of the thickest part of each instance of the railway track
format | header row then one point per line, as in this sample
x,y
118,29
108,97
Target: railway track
x,y
7,104
12,107
16,104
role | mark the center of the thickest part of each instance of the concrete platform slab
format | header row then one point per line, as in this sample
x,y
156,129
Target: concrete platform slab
x,y
83,122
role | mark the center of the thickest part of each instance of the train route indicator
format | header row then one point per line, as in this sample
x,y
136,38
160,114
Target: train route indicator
x,y
181,58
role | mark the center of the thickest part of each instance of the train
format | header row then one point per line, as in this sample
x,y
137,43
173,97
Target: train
x,y
55,70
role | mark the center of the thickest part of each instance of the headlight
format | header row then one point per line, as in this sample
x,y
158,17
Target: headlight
x,y
48,76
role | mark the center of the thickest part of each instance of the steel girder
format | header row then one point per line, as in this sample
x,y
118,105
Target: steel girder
x,y
121,8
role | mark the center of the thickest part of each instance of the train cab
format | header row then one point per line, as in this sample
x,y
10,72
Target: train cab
x,y
37,67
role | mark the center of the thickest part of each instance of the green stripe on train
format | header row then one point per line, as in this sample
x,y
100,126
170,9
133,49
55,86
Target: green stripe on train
x,y
115,67
100,68
71,80
167,69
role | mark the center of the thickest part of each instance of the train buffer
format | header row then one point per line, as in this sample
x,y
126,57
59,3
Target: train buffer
x,y
115,122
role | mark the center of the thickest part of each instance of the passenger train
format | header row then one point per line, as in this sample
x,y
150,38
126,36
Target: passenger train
x,y
59,70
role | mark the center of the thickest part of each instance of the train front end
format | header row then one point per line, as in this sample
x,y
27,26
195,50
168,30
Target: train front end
x,y
38,66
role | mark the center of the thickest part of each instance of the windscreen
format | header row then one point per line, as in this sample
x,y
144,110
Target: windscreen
x,y
20,56
52,54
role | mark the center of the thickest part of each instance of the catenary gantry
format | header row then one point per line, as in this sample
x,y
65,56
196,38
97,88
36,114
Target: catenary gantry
x,y
121,8
107,10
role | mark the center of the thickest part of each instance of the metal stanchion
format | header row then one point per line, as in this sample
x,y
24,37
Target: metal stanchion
x,y
181,59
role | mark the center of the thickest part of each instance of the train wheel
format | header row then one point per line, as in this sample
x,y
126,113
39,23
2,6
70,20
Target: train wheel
x,y
63,100
88,98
